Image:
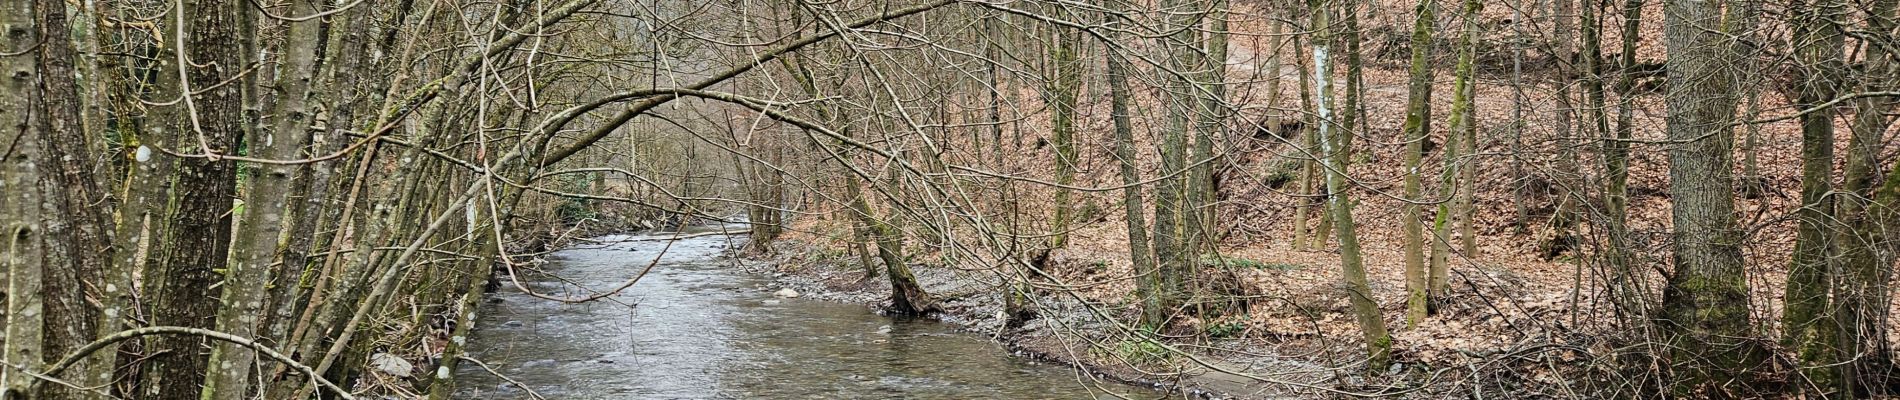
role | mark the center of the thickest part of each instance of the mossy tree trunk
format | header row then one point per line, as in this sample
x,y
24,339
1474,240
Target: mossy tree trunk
x,y
1454,189
1808,325
1064,82
1705,302
1418,117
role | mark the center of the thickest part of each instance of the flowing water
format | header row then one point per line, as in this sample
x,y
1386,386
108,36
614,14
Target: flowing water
x,y
696,327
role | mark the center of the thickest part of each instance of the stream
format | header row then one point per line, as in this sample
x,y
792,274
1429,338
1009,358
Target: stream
x,y
697,327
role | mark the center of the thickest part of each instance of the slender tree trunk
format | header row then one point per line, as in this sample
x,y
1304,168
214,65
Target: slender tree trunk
x,y
1064,83
1452,189
1567,180
1807,323
1147,278
1630,287
1209,126
261,226
1418,117
1365,309
1463,205
19,178
1520,182
1303,238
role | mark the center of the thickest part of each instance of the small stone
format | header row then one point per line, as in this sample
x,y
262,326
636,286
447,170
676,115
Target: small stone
x,y
771,302
391,364
786,292
511,323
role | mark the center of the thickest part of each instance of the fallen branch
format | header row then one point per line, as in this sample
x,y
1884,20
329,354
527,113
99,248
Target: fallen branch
x,y
96,345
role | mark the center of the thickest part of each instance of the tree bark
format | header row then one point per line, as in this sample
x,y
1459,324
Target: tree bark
x,y
199,232
1148,282
1418,117
19,178
76,247
1365,309
1454,189
261,228
1064,83
1705,301
1807,322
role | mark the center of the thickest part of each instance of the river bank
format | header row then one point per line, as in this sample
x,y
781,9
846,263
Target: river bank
x,y
1066,330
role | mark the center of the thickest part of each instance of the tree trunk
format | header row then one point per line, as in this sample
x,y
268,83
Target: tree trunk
x,y
1303,238
1210,72
1365,309
19,177
76,246
261,226
1454,191
1418,117
1064,83
1806,321
1628,286
200,228
1705,302
1174,240
1567,179
1863,271
1148,282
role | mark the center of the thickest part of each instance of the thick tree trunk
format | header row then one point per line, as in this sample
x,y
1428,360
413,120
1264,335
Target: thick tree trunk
x,y
1705,303
76,245
1174,240
1863,272
200,229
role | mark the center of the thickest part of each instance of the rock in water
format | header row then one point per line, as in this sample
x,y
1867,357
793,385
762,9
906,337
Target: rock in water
x,y
391,364
786,292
